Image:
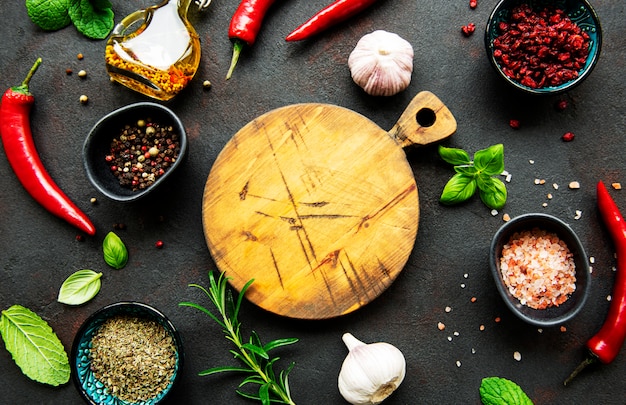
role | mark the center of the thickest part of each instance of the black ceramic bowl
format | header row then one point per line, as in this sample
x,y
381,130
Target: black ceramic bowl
x,y
91,389
98,145
554,315
579,11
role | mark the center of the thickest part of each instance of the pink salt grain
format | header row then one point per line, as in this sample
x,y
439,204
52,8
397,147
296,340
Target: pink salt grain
x,y
538,269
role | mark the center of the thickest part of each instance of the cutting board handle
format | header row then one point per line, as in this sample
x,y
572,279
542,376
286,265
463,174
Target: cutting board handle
x,y
425,120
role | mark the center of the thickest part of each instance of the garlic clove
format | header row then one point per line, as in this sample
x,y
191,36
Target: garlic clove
x,y
382,63
370,372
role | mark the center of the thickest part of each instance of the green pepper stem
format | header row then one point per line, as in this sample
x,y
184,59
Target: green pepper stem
x,y
237,47
587,362
23,88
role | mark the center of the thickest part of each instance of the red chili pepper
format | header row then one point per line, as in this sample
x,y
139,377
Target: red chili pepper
x,y
22,155
245,26
330,15
605,345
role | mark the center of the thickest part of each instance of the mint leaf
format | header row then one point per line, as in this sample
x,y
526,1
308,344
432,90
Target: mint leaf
x,y
92,19
495,195
459,188
491,160
49,15
454,156
79,287
34,346
500,391
114,250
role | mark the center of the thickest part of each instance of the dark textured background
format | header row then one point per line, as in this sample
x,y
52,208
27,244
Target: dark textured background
x,y
38,251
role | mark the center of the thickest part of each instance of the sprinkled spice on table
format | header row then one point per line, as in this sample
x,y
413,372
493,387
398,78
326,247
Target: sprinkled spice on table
x,y
133,357
538,268
142,153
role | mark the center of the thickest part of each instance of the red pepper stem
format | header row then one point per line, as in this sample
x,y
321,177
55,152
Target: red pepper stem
x,y
237,47
589,360
23,88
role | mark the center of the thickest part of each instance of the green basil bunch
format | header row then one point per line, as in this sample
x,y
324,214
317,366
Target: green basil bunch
x,y
475,174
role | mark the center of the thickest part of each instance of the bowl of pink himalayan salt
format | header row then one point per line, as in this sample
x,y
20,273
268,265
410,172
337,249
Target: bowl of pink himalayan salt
x,y
540,269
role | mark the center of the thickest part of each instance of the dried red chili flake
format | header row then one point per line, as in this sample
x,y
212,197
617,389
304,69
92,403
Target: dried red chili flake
x,y
540,48
468,29
515,124
568,137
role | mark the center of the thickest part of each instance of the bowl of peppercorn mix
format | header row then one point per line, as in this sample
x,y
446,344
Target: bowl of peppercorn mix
x,y
540,269
543,47
126,353
134,149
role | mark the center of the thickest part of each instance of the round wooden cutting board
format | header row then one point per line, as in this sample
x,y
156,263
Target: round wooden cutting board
x,y
318,205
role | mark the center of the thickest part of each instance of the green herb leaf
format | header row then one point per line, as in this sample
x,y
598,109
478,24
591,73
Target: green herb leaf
x,y
34,346
459,188
79,287
491,160
94,19
49,15
466,170
495,195
454,156
115,253
500,391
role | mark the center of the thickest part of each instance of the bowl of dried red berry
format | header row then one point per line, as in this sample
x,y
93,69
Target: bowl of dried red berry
x,y
542,46
132,150
540,269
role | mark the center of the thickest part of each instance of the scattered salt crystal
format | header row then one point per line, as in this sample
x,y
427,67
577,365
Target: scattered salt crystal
x,y
473,351
441,326
481,327
458,363
549,196
462,285
532,162
465,275
555,186
517,356
578,215
590,269
448,309
544,205
574,185
616,186
456,333
540,330
609,298
449,338
494,213
506,217
507,178
537,181
592,259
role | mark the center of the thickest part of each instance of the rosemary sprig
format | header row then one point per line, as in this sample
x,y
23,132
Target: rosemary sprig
x,y
257,363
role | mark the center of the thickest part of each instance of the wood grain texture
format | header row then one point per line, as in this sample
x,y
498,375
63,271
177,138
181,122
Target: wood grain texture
x,y
318,205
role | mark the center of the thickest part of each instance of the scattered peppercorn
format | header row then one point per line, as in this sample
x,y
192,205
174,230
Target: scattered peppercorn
x,y
80,238
68,71
82,74
540,48
142,153
80,56
568,137
83,99
93,200
468,29
206,84
561,105
515,124
158,244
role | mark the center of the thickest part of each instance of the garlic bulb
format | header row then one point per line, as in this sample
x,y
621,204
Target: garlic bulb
x,y
370,372
382,63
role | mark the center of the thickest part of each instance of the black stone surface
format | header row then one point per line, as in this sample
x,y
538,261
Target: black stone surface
x,y
449,264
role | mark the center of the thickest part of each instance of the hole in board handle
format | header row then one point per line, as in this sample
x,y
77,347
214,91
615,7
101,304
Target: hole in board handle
x,y
426,117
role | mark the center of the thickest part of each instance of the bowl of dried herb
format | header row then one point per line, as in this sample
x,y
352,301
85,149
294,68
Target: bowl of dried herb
x,y
126,352
134,149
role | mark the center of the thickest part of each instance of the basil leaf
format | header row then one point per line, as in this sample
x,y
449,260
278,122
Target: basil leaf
x,y
79,287
115,253
49,15
459,188
495,196
500,391
491,160
454,156
34,346
92,20
466,170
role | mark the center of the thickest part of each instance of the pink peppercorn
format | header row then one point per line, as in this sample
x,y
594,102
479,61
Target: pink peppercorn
x,y
473,3
468,29
568,137
561,105
158,244
515,124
